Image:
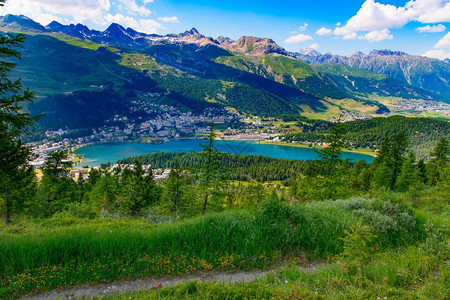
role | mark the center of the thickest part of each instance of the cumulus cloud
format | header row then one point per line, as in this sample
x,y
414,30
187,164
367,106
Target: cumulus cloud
x,y
429,11
437,53
45,11
377,35
300,29
129,13
133,8
143,25
350,36
314,46
428,28
377,18
298,38
374,16
442,48
173,19
303,27
444,42
324,31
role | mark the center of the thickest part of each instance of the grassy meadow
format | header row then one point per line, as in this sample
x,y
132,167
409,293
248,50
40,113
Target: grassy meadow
x,y
64,251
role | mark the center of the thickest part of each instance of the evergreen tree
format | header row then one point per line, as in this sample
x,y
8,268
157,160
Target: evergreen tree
x,y
211,171
390,160
56,189
407,174
327,177
330,157
173,185
15,173
138,190
440,157
102,195
421,171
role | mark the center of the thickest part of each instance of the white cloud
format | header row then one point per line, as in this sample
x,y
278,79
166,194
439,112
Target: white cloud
x,y
377,36
324,31
133,8
173,19
314,46
303,27
298,38
442,48
300,29
129,13
439,54
444,42
43,11
376,17
143,25
350,36
428,28
429,11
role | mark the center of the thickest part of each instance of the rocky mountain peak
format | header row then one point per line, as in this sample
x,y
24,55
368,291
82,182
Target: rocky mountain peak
x,y
21,22
309,52
115,28
258,46
224,40
386,52
358,54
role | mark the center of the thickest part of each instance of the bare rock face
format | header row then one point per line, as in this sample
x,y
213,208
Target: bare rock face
x,y
194,37
225,41
257,46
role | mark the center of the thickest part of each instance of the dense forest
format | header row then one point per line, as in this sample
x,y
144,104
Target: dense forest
x,y
239,167
423,133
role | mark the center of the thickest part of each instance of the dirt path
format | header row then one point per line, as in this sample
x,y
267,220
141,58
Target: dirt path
x,y
120,287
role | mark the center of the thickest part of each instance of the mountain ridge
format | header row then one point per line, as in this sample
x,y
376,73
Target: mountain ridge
x,y
252,75
424,72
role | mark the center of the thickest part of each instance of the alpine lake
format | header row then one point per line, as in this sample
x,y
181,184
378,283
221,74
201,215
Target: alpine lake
x,y
95,155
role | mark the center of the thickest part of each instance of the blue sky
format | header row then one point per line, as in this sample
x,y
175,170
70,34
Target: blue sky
x,y
419,27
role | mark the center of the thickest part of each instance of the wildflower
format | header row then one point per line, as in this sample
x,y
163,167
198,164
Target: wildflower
x,y
157,286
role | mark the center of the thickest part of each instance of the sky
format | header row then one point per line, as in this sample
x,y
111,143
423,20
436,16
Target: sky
x,y
417,27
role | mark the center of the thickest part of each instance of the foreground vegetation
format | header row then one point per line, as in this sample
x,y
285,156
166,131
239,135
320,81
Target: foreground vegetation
x,y
395,274
387,238
63,251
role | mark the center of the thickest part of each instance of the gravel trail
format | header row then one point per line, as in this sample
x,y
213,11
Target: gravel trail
x,y
119,287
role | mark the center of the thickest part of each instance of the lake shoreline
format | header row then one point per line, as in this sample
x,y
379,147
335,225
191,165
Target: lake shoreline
x,y
303,145
101,153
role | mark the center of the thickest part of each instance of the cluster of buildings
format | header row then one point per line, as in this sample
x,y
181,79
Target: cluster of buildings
x,y
348,116
423,106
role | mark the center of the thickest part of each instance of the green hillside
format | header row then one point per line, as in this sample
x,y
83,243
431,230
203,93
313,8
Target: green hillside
x,y
423,133
56,65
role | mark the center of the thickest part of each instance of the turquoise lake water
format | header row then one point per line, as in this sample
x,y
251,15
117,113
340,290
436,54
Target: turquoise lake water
x,y
111,152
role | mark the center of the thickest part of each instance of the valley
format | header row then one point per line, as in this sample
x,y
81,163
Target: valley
x,y
180,166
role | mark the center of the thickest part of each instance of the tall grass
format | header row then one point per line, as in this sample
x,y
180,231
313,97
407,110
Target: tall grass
x,y
239,238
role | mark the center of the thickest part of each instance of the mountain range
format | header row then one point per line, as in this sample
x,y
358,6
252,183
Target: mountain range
x,y
252,75
420,71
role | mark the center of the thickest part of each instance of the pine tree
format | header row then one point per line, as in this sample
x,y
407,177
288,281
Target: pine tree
x,y
211,171
440,157
15,173
407,174
56,189
138,190
173,185
389,161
